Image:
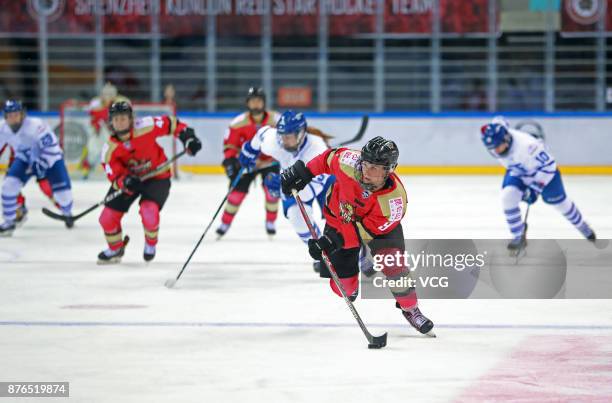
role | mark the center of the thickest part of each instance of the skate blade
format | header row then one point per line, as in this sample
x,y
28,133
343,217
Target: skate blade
x,y
6,234
111,261
430,334
20,223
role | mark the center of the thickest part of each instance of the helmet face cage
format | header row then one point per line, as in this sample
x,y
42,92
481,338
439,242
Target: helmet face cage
x,y
494,135
291,123
120,108
378,151
256,92
299,137
11,106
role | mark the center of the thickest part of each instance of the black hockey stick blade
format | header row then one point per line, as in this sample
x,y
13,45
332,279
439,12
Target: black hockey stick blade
x,y
53,215
362,129
111,196
378,341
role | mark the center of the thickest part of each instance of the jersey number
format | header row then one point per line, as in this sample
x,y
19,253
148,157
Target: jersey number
x,y
543,157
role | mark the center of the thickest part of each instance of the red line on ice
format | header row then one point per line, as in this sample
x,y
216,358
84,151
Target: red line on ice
x,y
549,368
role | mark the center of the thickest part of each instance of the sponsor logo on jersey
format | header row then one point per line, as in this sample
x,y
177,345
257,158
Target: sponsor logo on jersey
x,y
350,158
396,209
347,212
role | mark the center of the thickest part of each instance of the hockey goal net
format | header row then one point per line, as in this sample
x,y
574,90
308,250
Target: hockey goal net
x,y
80,142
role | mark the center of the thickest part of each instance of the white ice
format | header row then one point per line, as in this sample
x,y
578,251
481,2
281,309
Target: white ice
x,y
251,322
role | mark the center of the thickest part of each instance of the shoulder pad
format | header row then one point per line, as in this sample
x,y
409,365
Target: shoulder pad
x,y
240,121
144,122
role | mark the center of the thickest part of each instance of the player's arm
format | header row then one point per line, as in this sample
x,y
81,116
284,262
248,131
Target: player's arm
x,y
259,143
544,166
45,151
385,216
171,126
113,167
300,174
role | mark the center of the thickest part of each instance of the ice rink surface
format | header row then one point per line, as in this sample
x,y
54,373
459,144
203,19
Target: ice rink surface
x,y
251,322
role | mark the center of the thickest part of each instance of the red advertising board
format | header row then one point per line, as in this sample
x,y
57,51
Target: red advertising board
x,y
241,17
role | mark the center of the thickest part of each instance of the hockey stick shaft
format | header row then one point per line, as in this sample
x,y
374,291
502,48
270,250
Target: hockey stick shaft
x,y
232,186
371,339
362,129
116,193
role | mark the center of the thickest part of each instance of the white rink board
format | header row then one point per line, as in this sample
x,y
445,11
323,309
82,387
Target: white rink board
x,y
250,321
579,140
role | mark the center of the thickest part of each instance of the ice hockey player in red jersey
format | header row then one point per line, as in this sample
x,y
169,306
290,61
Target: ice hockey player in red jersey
x,y
130,153
365,206
241,130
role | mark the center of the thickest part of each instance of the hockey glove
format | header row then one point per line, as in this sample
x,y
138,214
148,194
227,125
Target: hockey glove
x,y
329,242
272,182
248,156
39,169
130,184
232,166
297,176
190,141
530,196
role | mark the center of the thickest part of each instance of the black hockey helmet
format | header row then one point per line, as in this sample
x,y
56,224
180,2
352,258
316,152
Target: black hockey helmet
x,y
120,108
256,92
380,152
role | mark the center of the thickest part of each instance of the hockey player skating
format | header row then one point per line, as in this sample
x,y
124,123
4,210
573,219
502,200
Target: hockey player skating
x,y
99,126
131,152
530,171
287,143
366,205
241,130
37,153
43,185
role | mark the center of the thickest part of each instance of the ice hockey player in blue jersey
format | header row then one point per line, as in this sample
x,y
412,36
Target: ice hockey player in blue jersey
x,y
531,171
287,143
39,154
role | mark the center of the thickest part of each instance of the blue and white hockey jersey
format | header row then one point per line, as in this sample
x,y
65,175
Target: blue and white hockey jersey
x,y
35,142
269,143
529,160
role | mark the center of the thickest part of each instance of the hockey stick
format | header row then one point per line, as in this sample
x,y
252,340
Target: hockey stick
x,y
373,341
172,281
113,195
362,129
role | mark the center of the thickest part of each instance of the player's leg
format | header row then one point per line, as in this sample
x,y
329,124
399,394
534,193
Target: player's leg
x,y
110,220
392,244
153,197
511,196
22,210
346,264
234,200
293,214
61,188
554,194
14,181
272,200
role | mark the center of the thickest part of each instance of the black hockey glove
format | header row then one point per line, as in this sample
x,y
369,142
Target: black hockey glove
x,y
130,184
297,176
330,242
190,141
530,196
232,167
